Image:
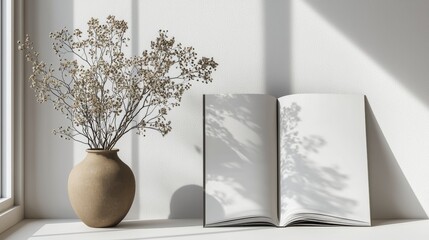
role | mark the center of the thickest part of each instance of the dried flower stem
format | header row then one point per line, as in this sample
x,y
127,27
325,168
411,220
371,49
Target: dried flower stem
x,y
104,94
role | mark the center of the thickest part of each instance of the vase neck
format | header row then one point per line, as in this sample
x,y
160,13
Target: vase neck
x,y
105,153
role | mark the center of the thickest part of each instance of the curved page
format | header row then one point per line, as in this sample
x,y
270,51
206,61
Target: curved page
x,y
323,161
240,158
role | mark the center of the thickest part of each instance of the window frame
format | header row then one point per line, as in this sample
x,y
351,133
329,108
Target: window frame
x,y
11,198
1,97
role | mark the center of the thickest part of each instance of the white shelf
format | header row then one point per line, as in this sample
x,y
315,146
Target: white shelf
x,y
192,229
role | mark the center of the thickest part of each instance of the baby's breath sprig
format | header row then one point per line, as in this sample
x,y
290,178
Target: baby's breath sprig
x,y
105,94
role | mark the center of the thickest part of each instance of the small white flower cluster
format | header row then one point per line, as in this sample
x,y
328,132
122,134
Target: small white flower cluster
x,y
105,94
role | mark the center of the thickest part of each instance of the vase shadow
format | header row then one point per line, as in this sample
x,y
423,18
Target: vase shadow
x,y
187,202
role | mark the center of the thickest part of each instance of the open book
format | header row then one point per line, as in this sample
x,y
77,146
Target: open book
x,y
299,159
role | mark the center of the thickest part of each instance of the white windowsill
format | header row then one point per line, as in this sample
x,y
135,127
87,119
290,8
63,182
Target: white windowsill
x,y
5,204
10,217
192,229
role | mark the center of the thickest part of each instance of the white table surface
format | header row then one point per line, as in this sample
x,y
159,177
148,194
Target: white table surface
x,y
192,229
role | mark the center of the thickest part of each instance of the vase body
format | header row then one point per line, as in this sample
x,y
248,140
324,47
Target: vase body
x,y
101,188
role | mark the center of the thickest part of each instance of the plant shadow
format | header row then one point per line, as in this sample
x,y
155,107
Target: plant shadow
x,y
304,183
237,131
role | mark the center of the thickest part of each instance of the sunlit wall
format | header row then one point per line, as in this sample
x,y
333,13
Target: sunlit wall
x,y
276,47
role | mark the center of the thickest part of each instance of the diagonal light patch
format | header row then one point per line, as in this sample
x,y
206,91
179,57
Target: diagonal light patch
x,y
325,60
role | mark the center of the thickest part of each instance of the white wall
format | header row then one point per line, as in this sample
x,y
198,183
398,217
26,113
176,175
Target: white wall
x,y
378,48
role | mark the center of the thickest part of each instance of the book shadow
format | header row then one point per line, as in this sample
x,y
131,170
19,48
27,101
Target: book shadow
x,y
385,222
391,195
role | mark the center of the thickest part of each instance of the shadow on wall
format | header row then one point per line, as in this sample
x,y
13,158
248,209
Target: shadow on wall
x,y
134,212
391,195
277,47
394,33
277,83
187,202
48,158
302,181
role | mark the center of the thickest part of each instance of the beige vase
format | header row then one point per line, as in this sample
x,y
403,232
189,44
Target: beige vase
x,y
101,188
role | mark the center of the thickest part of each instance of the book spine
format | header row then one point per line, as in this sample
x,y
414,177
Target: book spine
x,y
278,164
204,160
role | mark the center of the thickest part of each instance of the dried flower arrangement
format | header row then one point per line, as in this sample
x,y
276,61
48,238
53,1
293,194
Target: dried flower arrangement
x,y
104,94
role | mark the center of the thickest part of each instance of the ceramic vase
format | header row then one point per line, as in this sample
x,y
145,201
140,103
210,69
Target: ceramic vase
x,y
101,188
